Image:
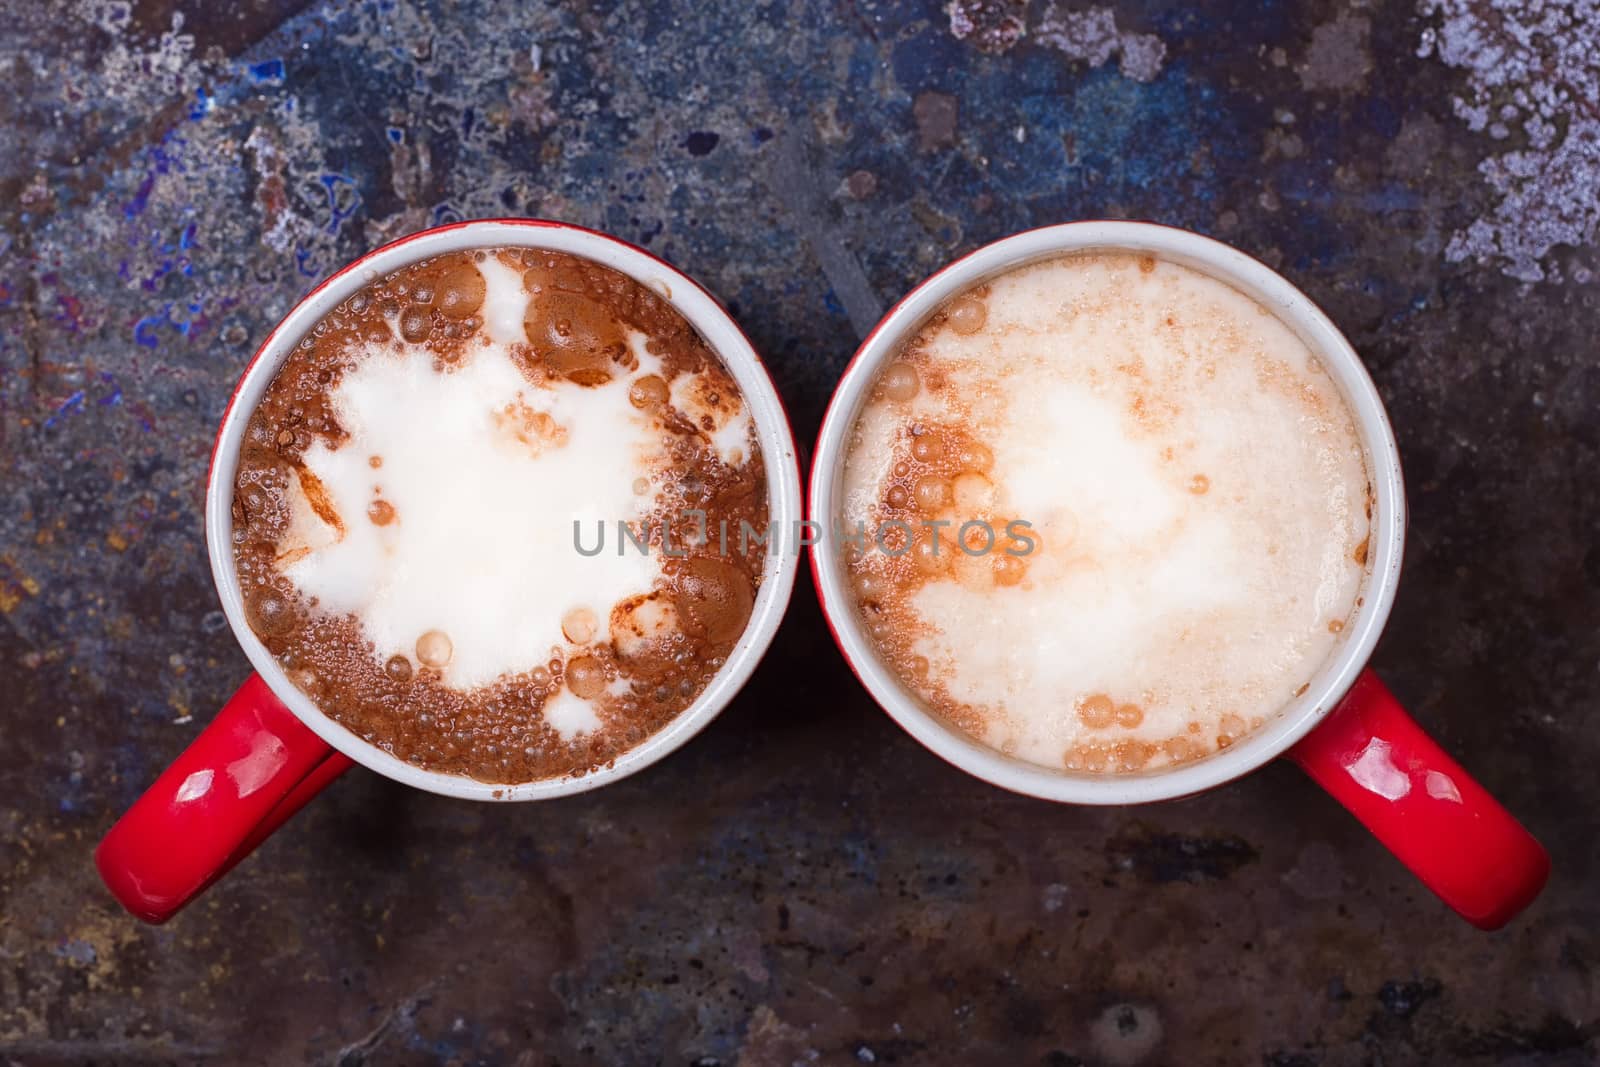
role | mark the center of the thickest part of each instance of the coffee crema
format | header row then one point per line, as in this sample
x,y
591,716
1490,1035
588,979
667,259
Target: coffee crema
x,y
405,504
1153,508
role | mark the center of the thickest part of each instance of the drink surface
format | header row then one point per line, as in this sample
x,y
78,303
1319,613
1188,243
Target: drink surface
x,y
405,506
1154,511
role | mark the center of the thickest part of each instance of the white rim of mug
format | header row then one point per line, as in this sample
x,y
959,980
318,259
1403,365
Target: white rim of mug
x,y
1296,310
720,332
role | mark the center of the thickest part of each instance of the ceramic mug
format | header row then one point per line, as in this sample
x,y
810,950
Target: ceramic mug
x,y
1346,730
271,749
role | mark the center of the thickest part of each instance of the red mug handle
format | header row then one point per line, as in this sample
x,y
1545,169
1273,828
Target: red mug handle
x,y
1469,850
241,779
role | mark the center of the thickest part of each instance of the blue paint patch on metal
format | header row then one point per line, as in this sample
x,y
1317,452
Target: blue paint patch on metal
x,y
344,199
144,331
187,324
204,104
267,72
71,404
161,161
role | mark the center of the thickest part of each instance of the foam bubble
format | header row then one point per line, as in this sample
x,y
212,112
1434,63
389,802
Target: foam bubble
x,y
579,626
899,381
967,314
435,649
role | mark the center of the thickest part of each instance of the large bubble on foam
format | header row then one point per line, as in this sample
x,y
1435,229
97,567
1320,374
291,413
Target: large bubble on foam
x,y
459,290
649,392
899,382
416,324
715,599
586,677
435,649
273,613
580,625
576,336
967,314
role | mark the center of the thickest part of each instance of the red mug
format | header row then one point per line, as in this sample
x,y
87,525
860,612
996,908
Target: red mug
x,y
271,749
1345,730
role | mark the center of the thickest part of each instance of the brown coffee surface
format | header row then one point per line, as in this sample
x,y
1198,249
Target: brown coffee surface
x,y
659,649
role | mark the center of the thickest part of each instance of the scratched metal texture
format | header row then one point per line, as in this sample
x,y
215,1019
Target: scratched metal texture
x,y
802,883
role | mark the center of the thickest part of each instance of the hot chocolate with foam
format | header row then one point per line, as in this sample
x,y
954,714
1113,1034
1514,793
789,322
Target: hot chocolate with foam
x,y
1121,513
421,491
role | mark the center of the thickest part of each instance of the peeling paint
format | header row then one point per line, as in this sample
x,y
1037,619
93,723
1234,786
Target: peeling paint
x,y
1340,54
1533,70
1091,36
1087,35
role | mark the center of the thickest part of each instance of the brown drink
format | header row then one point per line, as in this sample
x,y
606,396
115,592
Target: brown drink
x,y
1134,509
422,490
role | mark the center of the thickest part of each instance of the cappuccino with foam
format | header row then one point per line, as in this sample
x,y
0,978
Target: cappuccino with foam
x,y
405,507
1135,508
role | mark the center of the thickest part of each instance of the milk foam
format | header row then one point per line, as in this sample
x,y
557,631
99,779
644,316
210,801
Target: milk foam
x,y
486,474
481,544
504,302
1196,486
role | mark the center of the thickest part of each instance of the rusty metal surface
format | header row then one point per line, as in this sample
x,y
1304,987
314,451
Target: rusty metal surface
x,y
803,883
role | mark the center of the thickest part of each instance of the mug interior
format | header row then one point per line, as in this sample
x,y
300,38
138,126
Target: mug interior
x,y
1374,600
702,312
